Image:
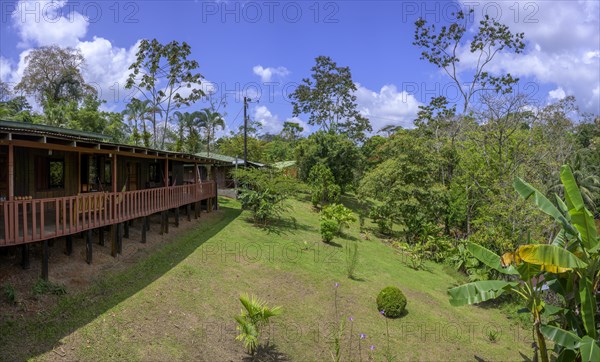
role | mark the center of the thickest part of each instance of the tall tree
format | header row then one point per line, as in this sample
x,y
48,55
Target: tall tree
x,y
291,131
165,76
443,49
328,98
53,75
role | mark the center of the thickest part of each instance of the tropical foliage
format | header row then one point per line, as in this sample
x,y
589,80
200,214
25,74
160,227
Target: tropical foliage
x,y
568,267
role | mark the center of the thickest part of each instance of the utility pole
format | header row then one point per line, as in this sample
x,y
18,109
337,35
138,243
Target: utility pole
x,y
245,131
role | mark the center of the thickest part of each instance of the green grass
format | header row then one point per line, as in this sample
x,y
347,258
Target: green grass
x,y
179,303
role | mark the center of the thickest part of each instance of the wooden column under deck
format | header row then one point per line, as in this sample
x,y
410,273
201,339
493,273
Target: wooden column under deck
x,y
113,229
11,172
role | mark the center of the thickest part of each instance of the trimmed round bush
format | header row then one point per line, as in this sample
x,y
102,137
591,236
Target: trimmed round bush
x,y
391,301
328,230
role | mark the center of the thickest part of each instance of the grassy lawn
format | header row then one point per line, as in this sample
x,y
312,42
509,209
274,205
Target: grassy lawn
x,y
179,303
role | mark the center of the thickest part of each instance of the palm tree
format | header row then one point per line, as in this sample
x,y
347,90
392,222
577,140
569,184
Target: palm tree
x,y
188,122
252,318
209,121
140,111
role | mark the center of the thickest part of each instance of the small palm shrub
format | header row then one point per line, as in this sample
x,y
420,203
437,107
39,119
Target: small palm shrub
x,y
251,319
329,229
391,302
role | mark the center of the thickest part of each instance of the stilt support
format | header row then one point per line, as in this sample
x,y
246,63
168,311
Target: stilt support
x,y
88,246
69,245
144,228
25,256
45,253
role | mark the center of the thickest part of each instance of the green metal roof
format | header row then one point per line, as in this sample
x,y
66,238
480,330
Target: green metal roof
x,y
232,160
51,130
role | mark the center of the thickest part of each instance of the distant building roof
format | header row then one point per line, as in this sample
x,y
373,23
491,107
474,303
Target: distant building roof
x,y
232,160
284,164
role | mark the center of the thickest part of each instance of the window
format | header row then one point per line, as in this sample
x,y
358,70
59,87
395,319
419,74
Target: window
x,y
49,173
56,169
153,177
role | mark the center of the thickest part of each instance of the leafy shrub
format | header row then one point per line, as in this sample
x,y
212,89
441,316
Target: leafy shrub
x,y
340,214
264,205
251,319
329,229
10,293
383,216
323,187
391,301
46,287
263,192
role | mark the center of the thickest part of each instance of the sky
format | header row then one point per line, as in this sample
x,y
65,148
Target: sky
x,y
263,49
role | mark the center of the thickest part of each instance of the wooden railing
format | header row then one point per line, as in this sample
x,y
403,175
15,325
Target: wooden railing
x,y
27,221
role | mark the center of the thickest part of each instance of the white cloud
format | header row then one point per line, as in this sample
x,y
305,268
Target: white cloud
x,y
272,124
41,23
562,46
557,94
48,22
266,74
5,69
387,107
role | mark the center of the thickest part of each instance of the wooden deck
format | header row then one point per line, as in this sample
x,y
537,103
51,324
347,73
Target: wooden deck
x,y
27,221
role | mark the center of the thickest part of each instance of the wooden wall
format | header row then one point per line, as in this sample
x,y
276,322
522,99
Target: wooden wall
x,y
25,173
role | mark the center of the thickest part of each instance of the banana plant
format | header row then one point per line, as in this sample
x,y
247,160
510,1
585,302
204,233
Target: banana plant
x,y
569,265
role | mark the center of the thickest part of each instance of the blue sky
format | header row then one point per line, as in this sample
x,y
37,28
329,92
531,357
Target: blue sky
x,y
268,46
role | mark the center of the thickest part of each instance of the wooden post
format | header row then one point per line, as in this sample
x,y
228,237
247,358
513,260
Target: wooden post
x,y
119,238
113,240
69,244
101,236
144,228
167,221
45,260
88,246
216,197
25,256
162,222
11,173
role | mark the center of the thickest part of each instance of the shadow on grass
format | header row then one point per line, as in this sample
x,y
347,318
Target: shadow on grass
x,y
267,353
284,226
22,339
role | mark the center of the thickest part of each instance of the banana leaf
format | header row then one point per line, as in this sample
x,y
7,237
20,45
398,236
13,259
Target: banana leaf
x,y
551,258
478,292
526,191
561,337
590,351
490,259
580,216
588,305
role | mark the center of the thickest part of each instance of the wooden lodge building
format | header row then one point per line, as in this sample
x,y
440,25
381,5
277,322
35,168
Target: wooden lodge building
x,y
55,183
